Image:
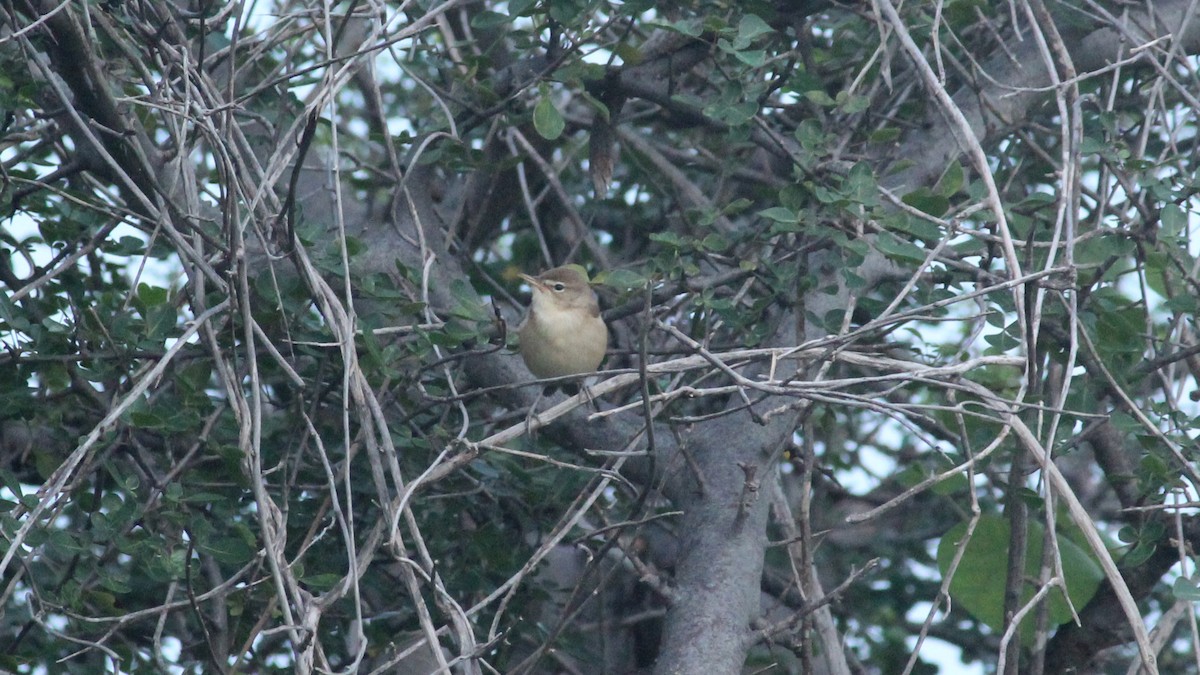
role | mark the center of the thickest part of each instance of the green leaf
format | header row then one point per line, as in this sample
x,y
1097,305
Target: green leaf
x,y
56,327
115,580
954,485
231,550
1158,266
780,214
852,104
820,98
520,7
978,584
1093,146
487,20
734,113
925,200
144,420
1139,554
322,582
752,26
150,296
895,247
884,135
737,206
1183,304
751,57
466,301
160,320
453,334
1174,220
914,225
668,238
810,134
861,186
1099,249
714,242
128,246
547,120
1118,331
951,181
1186,590
10,315
621,279
690,27
106,601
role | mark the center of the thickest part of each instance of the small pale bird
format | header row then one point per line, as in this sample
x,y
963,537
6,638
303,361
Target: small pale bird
x,y
562,333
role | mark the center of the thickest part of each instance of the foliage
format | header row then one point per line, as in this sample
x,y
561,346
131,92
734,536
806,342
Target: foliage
x,y
871,287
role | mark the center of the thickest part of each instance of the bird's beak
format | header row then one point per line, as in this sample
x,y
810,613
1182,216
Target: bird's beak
x,y
533,282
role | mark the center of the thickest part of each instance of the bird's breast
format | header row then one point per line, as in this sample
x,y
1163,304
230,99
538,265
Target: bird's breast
x,y
559,343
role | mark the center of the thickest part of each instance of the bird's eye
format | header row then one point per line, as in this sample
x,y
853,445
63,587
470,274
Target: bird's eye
x,y
560,287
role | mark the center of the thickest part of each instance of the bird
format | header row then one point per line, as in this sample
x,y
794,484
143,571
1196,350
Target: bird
x,y
562,333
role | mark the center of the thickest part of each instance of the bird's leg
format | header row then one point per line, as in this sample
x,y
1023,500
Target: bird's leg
x,y
530,430
587,393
